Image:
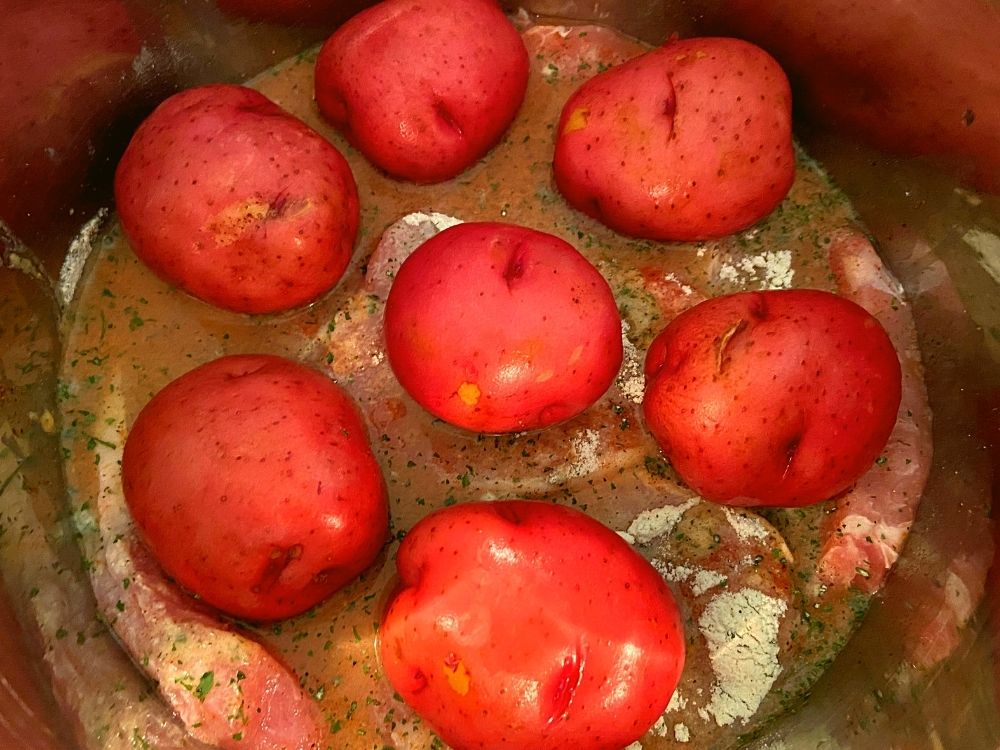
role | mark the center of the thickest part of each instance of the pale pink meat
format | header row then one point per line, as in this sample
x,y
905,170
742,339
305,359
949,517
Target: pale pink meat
x,y
101,695
943,576
226,689
672,295
943,610
865,533
254,700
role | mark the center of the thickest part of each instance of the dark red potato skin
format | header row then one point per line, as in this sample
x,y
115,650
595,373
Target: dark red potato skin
x,y
252,481
532,626
689,141
499,328
423,88
237,202
778,398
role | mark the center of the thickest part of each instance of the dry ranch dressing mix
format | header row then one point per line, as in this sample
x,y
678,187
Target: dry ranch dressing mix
x,y
761,622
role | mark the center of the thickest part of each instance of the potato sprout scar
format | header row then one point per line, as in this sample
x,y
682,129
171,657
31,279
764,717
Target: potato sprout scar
x,y
457,675
469,393
577,120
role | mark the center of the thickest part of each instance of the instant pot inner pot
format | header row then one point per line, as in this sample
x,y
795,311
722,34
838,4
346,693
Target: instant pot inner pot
x,y
919,673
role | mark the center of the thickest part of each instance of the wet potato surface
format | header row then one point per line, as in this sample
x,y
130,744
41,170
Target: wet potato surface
x,y
748,586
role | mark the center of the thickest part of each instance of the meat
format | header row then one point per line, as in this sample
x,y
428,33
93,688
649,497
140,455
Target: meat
x,y
42,569
225,688
865,533
943,575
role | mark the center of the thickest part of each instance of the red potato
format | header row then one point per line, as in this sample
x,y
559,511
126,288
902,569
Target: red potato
x,y
237,202
500,328
528,625
251,480
423,88
690,141
772,398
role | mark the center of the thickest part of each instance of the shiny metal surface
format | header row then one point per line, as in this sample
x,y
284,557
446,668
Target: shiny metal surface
x,y
78,75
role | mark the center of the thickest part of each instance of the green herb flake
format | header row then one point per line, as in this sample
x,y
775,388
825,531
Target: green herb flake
x,y
204,686
655,466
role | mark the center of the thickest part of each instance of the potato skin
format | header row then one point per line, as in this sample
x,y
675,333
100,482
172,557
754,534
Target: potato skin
x,y
499,328
423,88
772,398
532,626
237,202
689,141
252,481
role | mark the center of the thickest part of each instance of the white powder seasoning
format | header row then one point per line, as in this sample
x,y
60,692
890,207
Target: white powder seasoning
x,y
677,702
586,447
747,527
671,572
659,727
653,523
768,270
631,380
440,222
741,629
686,290
703,580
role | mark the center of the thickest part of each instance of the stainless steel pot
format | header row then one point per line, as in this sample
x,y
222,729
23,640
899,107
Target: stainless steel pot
x,y
78,75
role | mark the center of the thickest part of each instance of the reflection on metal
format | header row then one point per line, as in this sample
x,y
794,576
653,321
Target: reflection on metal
x,y
873,696
76,258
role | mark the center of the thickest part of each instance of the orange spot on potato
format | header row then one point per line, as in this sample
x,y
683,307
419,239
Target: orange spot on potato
x,y
577,120
542,377
237,220
469,393
457,675
577,353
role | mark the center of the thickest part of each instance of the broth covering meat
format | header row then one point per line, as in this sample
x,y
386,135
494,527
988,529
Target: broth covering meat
x,y
768,601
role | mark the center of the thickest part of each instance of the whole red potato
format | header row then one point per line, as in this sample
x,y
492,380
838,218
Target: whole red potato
x,y
423,88
237,202
690,141
530,625
772,398
499,328
252,482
